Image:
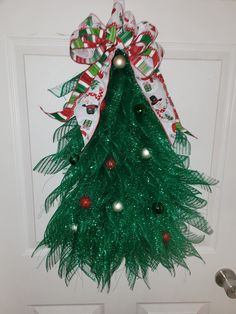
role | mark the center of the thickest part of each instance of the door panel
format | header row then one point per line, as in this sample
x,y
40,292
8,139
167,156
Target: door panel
x,y
69,309
175,308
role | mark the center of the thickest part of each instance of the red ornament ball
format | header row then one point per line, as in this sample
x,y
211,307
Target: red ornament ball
x,y
110,164
103,106
85,202
166,237
174,127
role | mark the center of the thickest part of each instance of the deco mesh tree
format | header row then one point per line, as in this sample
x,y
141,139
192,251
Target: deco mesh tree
x,y
128,195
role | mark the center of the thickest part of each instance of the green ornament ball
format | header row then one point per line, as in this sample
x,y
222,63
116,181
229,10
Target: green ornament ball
x,y
73,160
158,208
139,109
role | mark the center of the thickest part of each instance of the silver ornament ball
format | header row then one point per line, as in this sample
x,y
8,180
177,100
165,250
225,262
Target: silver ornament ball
x,y
146,153
119,62
117,206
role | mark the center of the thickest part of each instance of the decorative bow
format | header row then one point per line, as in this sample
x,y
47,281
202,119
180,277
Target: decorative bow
x,y
95,44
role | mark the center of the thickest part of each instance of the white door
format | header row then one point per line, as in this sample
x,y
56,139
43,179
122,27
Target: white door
x,y
199,37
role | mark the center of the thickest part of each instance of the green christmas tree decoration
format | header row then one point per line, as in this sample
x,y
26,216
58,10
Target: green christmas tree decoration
x,y
127,195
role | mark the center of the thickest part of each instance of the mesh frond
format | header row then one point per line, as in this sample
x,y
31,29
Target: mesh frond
x,y
181,145
51,165
201,224
63,129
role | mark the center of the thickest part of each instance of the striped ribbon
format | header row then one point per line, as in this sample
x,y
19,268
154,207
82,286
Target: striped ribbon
x,y
95,44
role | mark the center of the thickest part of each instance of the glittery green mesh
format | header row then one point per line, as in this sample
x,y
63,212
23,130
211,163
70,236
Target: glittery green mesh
x,y
97,240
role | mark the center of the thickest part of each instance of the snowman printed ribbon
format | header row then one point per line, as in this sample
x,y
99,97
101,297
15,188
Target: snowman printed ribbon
x,y
95,44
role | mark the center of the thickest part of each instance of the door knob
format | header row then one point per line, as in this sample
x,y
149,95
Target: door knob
x,y
226,278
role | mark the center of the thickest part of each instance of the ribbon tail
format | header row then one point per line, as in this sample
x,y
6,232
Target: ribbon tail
x,y
88,106
66,87
156,93
62,116
180,128
178,125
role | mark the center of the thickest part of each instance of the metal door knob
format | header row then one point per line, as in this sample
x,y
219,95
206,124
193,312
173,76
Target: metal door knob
x,y
226,278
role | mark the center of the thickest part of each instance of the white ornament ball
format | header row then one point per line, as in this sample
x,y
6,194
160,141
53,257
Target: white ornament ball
x,y
119,61
74,228
145,153
117,206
